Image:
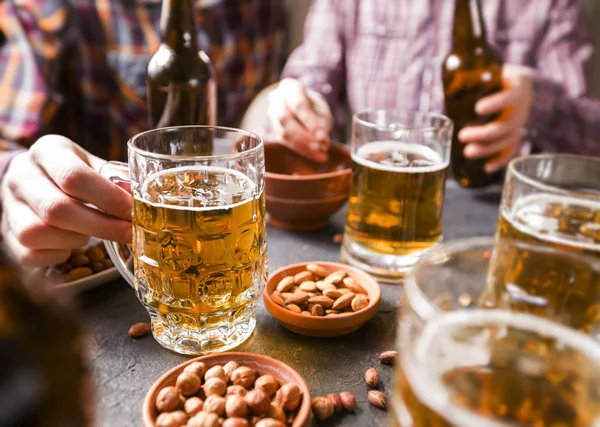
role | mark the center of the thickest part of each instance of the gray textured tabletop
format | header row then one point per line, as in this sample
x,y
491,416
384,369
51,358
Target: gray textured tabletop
x,y
125,369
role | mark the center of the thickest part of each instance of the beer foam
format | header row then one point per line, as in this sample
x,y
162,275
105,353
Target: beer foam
x,y
424,373
531,208
395,146
199,169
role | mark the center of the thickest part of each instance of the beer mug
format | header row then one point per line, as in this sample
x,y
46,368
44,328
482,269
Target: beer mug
x,y
400,162
495,368
199,240
554,200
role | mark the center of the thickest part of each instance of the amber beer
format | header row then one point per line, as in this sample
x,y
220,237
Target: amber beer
x,y
199,246
181,88
397,196
471,71
561,287
529,372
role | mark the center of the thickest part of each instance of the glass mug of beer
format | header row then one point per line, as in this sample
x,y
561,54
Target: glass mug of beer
x,y
495,368
397,193
554,200
199,239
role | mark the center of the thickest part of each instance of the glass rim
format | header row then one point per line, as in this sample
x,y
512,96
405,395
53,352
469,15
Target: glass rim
x,y
250,151
536,183
427,309
356,118
431,391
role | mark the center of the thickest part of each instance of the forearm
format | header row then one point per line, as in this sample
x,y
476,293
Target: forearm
x,y
560,122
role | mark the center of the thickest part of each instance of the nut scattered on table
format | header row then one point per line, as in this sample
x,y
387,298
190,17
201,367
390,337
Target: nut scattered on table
x,y
377,399
315,292
372,377
348,401
226,396
388,357
337,402
138,330
338,238
322,408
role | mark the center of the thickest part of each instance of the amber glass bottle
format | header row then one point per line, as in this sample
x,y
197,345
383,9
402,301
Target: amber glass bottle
x,y
181,88
471,71
43,374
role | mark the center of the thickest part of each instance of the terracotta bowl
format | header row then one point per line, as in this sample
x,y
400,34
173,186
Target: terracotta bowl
x,y
263,364
302,195
323,326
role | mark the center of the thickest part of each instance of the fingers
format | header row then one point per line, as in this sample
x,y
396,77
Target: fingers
x,y
300,141
502,160
488,133
68,166
478,151
498,102
297,101
56,209
28,257
33,233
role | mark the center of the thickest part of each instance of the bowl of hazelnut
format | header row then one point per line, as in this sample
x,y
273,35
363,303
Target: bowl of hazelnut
x,y
228,390
321,299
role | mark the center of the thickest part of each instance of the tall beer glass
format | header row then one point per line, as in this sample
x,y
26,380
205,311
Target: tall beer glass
x,y
199,240
399,174
493,368
553,199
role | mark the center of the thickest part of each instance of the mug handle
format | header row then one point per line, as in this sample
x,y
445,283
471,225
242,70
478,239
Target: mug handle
x,y
118,173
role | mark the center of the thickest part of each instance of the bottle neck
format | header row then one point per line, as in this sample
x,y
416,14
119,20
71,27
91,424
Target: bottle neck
x,y
469,26
178,24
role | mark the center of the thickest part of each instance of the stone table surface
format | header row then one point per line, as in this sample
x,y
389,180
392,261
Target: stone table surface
x,y
125,368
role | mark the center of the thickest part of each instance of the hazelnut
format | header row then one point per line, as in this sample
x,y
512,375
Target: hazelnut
x,y
268,384
214,387
168,399
276,412
269,422
337,402
235,422
229,368
322,408
180,417
193,405
236,389
258,402
372,377
289,397
214,404
204,419
243,376
166,420
216,371
348,401
188,384
196,368
388,357
236,406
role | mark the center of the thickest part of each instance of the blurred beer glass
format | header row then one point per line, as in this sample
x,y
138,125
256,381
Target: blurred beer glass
x,y
553,199
400,162
199,240
493,368
482,273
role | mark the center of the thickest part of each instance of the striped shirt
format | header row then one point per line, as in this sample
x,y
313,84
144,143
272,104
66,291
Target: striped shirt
x,y
78,67
388,54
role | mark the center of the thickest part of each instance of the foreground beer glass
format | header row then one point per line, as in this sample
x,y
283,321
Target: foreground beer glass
x,y
199,240
399,173
493,368
552,199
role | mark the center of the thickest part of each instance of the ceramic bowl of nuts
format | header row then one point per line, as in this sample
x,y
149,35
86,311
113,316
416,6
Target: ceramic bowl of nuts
x,y
322,299
229,390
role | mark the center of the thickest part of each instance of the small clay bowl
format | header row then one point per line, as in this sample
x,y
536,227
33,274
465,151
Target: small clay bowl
x,y
302,195
263,364
313,326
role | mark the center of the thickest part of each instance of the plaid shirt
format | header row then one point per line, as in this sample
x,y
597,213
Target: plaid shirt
x,y
78,67
388,54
